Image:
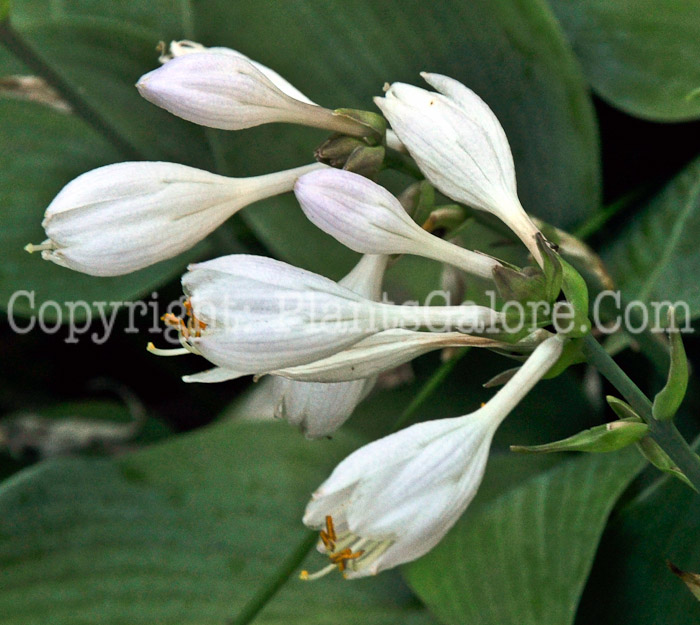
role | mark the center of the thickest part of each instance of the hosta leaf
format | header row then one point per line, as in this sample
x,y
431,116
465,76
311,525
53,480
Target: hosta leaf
x,y
522,557
102,60
643,56
166,18
656,257
185,532
661,524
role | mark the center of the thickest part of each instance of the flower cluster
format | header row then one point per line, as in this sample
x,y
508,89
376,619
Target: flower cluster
x,y
325,342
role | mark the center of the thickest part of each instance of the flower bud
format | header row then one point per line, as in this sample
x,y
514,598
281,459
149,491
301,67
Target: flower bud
x,y
227,91
365,217
120,218
460,146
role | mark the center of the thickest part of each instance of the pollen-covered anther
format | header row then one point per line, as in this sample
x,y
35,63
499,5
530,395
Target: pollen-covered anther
x,y
345,551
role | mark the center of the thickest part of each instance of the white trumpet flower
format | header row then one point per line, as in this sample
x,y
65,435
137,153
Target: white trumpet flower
x,y
253,314
119,218
367,218
461,147
393,500
228,91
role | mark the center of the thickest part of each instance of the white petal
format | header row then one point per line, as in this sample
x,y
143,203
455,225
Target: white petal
x,y
385,350
211,376
318,409
181,48
365,217
460,146
367,276
220,91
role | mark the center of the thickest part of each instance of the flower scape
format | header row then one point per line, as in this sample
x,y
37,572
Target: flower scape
x,y
325,343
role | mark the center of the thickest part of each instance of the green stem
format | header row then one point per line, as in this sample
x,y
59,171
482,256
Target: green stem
x,y
291,563
14,42
664,433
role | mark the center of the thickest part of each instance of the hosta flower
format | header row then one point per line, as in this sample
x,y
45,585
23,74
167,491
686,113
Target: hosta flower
x,y
460,146
317,408
224,90
393,500
367,218
181,48
254,314
119,218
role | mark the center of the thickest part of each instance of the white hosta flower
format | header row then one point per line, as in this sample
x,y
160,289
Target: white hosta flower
x,y
119,218
460,146
181,48
393,500
228,91
319,409
254,314
367,218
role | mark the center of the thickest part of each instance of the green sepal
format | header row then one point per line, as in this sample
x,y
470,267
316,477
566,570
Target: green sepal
x,y
366,161
373,122
335,150
572,354
4,10
622,409
552,269
576,291
647,446
669,399
650,449
600,439
527,285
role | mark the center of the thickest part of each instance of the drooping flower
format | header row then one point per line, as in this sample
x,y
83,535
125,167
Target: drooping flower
x,y
253,315
460,146
393,500
367,218
120,218
227,91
